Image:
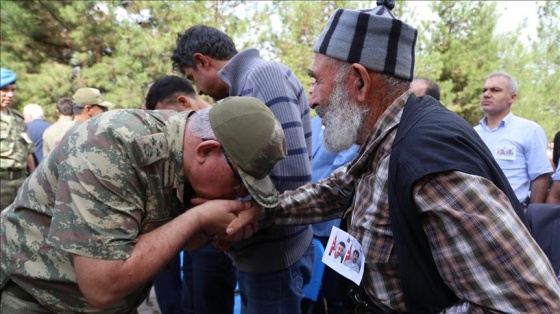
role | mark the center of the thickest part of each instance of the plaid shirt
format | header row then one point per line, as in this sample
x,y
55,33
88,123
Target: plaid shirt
x,y
481,248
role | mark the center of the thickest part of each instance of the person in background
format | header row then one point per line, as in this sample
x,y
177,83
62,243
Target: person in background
x,y
208,274
556,149
88,103
554,192
110,206
423,86
54,133
274,265
323,163
518,145
16,147
34,117
440,227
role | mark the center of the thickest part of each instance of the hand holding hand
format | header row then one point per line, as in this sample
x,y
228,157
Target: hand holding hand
x,y
246,224
214,216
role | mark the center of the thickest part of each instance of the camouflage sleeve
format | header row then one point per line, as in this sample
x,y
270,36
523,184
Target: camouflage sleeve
x,y
99,201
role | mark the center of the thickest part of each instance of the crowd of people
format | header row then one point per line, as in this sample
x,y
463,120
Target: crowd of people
x,y
102,204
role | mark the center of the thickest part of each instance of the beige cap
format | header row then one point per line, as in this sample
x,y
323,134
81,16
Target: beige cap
x,y
90,96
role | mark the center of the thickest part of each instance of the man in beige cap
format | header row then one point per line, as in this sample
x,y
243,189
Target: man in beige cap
x,y
88,103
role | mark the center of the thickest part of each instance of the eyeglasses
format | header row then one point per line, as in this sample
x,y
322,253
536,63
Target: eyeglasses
x,y
239,188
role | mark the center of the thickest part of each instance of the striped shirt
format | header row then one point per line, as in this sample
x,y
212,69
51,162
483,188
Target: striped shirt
x,y
482,250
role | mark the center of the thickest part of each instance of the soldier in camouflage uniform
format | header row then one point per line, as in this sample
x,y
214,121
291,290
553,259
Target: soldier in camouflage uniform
x,y
16,147
81,235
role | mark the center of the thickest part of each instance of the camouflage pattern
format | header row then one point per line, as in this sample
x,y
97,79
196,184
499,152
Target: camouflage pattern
x,y
15,143
112,178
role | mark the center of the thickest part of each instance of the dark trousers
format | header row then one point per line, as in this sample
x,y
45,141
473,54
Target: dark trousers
x,y
168,286
209,282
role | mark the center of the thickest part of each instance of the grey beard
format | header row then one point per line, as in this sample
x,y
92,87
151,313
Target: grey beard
x,y
342,119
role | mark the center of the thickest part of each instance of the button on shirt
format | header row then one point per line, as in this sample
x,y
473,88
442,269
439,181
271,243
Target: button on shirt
x,y
519,147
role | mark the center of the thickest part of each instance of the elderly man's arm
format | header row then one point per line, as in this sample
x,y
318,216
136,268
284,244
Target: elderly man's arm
x,y
104,282
482,250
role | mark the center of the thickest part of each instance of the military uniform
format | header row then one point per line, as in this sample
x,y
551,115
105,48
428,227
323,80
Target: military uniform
x,y
111,179
15,146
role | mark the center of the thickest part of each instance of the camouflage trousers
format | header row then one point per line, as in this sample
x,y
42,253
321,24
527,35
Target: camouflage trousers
x,y
15,300
8,191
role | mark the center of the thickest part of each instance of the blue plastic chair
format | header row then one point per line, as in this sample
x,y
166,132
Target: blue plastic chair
x,y
311,290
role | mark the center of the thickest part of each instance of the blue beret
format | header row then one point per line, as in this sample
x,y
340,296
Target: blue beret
x,y
7,77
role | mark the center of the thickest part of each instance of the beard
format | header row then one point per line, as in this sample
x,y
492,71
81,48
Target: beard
x,y
342,119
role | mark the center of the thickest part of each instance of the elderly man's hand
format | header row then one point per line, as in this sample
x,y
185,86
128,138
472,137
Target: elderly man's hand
x,y
246,224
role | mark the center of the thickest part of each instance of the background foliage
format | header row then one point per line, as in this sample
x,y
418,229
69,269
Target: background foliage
x,y
119,47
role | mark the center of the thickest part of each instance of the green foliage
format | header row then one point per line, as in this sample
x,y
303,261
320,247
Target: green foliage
x,y
120,46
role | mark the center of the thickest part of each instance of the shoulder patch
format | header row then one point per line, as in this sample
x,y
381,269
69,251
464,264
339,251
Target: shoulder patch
x,y
152,148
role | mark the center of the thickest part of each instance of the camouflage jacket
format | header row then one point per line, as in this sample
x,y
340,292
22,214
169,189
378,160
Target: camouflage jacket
x,y
114,177
15,143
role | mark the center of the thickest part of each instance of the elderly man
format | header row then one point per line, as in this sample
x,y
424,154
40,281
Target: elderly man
x,y
34,117
16,147
437,220
105,211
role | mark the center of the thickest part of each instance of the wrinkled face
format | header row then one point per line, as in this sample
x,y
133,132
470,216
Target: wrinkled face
x,y
207,82
7,96
339,250
330,98
496,98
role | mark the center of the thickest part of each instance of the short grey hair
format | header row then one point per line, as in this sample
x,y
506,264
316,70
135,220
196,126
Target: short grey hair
x,y
511,80
200,125
33,110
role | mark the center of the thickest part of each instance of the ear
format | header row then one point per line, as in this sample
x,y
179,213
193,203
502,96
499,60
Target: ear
x,y
184,101
206,150
513,97
87,109
361,81
201,60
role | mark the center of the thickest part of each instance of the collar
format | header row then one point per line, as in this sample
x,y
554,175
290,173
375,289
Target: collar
x,y
236,71
507,119
174,132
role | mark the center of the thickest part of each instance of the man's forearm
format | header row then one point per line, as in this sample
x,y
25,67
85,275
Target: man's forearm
x,y
539,188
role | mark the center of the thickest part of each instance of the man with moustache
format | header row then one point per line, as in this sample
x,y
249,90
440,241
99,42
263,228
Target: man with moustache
x,y
16,147
440,227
